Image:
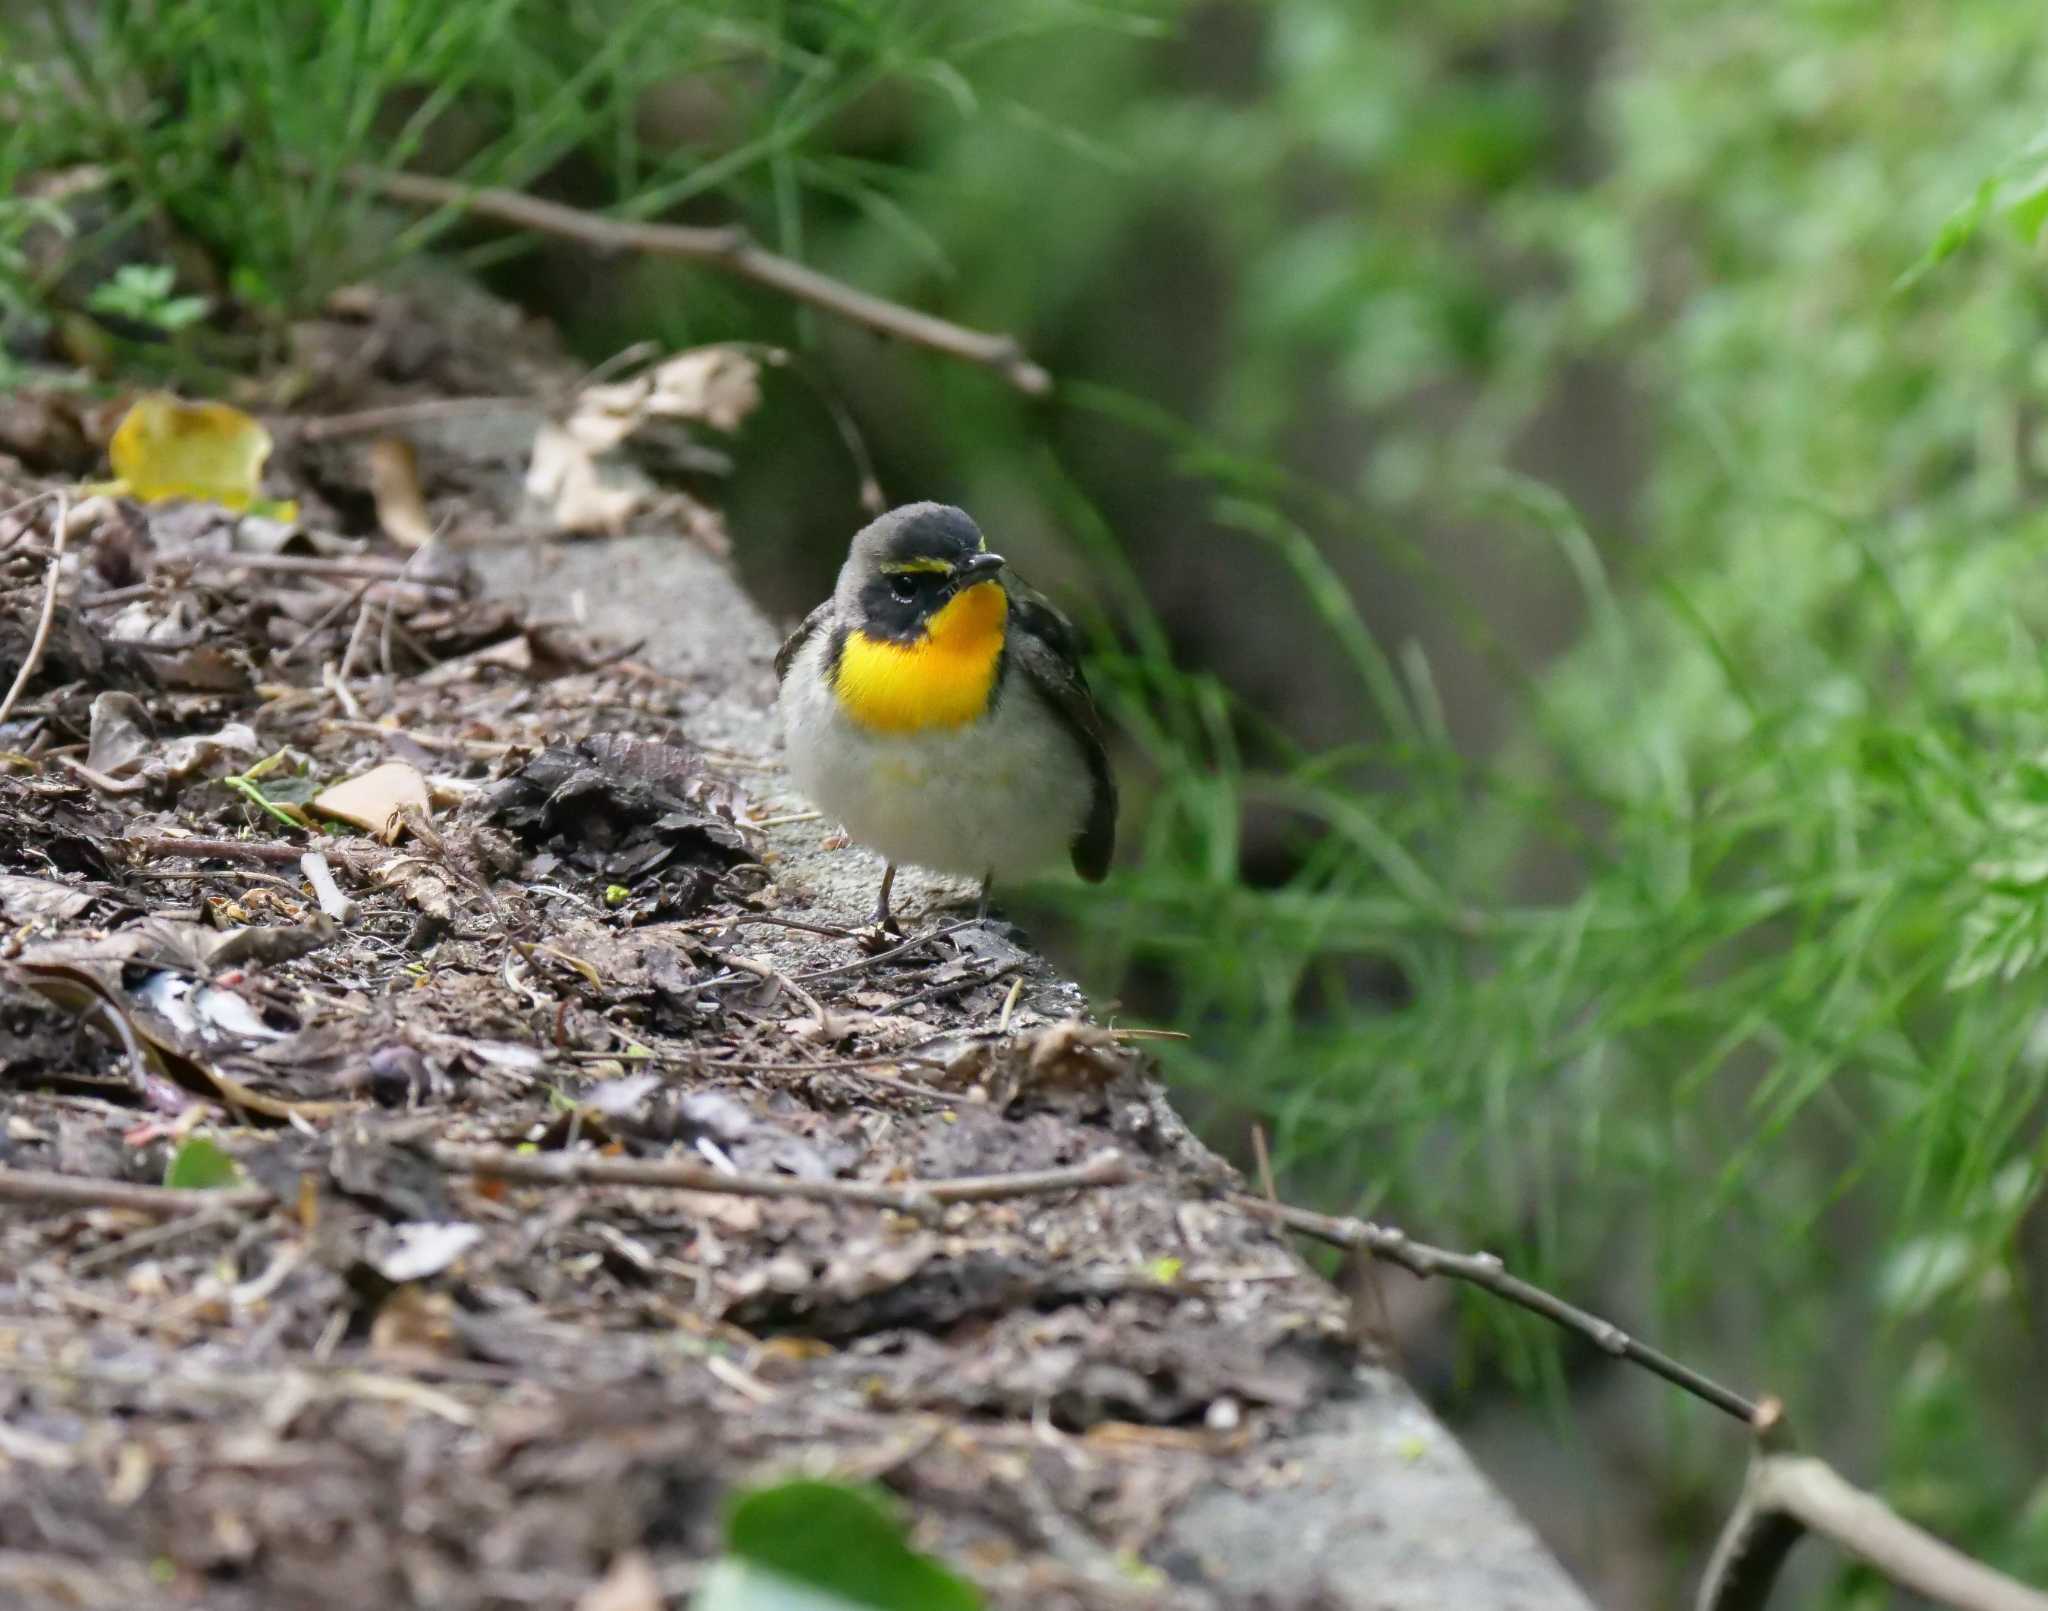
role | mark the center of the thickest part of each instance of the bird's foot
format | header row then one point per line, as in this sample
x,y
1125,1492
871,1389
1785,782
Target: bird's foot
x,y
880,935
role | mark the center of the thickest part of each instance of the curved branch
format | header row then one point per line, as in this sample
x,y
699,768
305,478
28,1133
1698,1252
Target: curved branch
x,y
1486,1270
731,249
1786,1496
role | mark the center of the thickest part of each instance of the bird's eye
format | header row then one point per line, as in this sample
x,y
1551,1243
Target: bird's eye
x,y
904,587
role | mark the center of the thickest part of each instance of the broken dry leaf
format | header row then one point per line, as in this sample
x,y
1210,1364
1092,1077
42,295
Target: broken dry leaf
x,y
25,900
167,448
375,801
715,386
395,485
564,475
198,751
117,739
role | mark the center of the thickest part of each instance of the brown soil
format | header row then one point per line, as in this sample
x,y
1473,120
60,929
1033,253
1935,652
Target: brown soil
x,y
386,1379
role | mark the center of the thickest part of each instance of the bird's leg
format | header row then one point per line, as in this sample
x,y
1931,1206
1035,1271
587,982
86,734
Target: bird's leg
x,y
881,932
883,920
981,908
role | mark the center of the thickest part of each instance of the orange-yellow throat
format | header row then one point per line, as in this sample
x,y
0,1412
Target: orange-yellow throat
x,y
944,679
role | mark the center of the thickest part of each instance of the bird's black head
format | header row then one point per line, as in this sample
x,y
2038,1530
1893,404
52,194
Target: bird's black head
x,y
905,566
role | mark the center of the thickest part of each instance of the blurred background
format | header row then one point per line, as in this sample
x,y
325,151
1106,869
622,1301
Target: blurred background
x,y
1555,491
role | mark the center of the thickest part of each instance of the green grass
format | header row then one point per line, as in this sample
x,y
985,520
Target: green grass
x,y
229,127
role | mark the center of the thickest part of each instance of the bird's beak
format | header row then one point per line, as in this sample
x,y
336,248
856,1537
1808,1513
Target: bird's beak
x,y
978,568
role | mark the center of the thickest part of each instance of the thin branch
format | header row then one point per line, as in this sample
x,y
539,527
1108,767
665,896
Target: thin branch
x,y
1485,1270
782,981
160,1202
1786,1495
890,955
1265,1161
41,640
164,845
730,249
953,987
100,780
272,851
325,427
580,1169
488,749
912,1196
352,570
830,931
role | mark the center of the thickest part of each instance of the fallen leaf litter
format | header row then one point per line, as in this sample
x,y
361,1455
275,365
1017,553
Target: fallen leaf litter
x,y
495,1315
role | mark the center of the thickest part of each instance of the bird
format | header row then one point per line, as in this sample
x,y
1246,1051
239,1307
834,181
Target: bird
x,y
935,706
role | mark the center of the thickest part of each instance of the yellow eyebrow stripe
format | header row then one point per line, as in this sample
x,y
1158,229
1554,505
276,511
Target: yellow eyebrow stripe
x,y
919,567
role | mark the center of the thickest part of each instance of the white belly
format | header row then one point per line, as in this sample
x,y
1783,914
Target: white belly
x,y
1004,795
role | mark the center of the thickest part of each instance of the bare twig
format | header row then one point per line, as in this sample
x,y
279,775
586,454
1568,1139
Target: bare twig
x,y
1010,999
829,931
1787,1495
160,1202
782,981
346,601
1485,1270
868,1069
488,749
784,820
890,955
41,640
227,849
730,249
352,570
583,1169
328,893
953,987
99,780
1265,1161
201,1219
275,852
324,427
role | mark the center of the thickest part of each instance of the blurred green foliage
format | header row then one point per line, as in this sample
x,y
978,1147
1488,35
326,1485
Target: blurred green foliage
x,y
1721,979
1728,963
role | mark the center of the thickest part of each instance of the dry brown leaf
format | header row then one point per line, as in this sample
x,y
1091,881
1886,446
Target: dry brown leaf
x,y
717,386
376,801
714,386
424,887
564,476
395,485
118,739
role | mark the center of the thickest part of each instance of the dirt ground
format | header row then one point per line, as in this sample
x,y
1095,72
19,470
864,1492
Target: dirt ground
x,y
374,1374
414,1353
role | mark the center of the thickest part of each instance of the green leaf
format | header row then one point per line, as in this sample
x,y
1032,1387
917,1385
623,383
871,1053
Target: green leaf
x,y
823,1546
200,1165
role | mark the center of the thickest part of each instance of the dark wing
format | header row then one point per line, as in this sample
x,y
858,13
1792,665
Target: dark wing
x,y
797,639
1050,656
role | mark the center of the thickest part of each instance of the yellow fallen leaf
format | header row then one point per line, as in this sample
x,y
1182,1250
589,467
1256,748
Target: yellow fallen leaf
x,y
373,802
167,448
